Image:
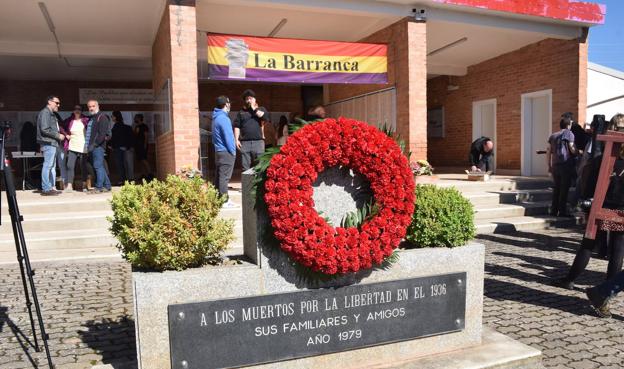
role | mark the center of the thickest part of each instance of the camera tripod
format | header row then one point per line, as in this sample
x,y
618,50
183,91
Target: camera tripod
x,y
26,270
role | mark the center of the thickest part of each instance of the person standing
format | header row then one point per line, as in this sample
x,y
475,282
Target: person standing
x,y
98,132
122,143
560,160
49,137
225,148
141,130
61,152
481,154
249,130
282,131
75,147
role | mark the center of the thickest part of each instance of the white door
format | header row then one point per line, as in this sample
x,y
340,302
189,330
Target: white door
x,y
536,128
484,123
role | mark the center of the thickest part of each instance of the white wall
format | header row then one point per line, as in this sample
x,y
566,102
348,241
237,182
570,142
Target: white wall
x,y
602,86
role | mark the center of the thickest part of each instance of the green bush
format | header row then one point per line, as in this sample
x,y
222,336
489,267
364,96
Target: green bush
x,y
171,224
442,218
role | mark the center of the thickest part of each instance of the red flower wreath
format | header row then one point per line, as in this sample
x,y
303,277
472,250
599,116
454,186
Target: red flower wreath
x,y
307,237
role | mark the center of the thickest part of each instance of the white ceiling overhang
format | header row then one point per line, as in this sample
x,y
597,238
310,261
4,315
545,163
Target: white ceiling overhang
x,y
112,39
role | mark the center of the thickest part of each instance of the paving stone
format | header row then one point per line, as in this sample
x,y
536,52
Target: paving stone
x,y
88,310
519,269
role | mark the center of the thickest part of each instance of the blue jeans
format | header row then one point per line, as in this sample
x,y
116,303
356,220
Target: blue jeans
x,y
612,286
101,178
60,162
48,172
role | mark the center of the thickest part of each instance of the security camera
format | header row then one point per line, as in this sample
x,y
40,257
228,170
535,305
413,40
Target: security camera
x,y
420,15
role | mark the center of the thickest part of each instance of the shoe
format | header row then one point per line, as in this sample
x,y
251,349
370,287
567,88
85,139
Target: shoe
x,y
598,303
229,205
106,190
563,283
50,193
94,191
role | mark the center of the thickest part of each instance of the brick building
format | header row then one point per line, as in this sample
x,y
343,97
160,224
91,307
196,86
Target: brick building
x,y
457,69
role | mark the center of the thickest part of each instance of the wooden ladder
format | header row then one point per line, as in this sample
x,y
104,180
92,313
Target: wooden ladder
x,y
613,141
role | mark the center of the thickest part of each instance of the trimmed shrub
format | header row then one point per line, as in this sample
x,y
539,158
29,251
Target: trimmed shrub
x,y
171,224
442,218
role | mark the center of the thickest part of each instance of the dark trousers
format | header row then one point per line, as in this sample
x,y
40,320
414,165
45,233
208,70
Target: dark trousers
x,y
250,152
611,286
72,156
616,254
483,162
562,176
124,161
224,163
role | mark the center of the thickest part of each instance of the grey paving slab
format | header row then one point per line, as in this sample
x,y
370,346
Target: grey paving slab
x,y
89,315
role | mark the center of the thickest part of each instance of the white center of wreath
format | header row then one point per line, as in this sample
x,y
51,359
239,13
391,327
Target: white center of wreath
x,y
338,191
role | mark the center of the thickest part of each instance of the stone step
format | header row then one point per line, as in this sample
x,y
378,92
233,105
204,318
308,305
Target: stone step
x,y
508,197
9,257
501,211
496,351
78,241
524,223
497,184
60,204
60,221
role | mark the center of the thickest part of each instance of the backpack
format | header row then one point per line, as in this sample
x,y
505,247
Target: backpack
x,y
562,152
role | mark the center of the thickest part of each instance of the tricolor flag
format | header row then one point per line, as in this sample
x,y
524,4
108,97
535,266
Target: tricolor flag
x,y
232,57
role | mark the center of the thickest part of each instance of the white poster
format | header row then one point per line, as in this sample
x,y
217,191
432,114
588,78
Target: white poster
x,y
117,95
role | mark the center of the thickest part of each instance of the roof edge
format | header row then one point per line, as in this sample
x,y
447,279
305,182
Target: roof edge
x,y
605,70
562,10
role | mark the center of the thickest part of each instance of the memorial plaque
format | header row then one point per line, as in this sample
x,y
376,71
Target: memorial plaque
x,y
260,329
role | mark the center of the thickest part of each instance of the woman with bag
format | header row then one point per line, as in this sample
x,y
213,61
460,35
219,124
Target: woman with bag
x,y
75,147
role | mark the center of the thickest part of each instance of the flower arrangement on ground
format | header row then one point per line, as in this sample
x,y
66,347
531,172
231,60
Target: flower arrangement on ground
x,y
421,168
307,237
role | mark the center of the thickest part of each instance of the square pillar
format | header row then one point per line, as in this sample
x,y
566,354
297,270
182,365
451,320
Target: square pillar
x,y
174,58
411,86
407,72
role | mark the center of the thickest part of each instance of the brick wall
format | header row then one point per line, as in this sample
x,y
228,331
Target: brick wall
x,y
174,57
185,101
407,71
31,95
272,97
161,71
548,64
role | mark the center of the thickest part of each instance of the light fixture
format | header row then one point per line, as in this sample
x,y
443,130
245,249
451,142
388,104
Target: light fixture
x,y
448,46
46,15
278,27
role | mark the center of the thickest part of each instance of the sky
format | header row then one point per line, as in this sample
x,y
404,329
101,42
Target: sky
x,y
606,42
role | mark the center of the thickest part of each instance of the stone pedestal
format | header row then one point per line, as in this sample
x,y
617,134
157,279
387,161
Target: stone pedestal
x,y
273,272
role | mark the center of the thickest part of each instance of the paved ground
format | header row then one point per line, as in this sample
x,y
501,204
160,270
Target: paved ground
x,y
88,308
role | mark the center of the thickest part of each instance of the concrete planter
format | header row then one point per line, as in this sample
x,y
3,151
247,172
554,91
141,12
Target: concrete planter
x,y
153,292
271,271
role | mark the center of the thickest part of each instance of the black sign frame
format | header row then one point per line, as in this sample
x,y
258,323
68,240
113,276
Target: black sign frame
x,y
267,328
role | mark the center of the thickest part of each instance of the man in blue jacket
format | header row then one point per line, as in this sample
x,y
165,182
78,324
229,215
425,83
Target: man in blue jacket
x,y
225,148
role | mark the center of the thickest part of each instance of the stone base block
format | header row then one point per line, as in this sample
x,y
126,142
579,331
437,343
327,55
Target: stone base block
x,y
496,351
